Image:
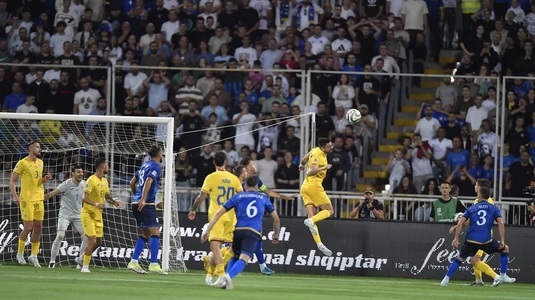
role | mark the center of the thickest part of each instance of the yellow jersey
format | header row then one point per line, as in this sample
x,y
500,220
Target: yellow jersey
x,y
221,186
31,179
488,200
97,189
317,158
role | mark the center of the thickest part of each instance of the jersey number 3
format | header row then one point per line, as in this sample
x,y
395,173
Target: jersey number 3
x,y
482,220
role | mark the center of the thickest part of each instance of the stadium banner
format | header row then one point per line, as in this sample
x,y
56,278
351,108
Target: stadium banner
x,y
360,248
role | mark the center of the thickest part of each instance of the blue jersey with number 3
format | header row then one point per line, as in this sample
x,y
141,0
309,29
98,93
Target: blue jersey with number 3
x,y
150,169
250,208
482,216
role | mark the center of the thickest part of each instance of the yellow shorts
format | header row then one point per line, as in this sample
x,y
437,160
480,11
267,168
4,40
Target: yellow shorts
x,y
93,226
314,195
32,210
222,231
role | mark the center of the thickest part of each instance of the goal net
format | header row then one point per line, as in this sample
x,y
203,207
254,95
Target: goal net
x,y
67,141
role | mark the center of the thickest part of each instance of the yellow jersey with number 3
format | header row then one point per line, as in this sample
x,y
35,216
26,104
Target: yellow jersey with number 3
x,y
220,186
318,158
31,179
97,189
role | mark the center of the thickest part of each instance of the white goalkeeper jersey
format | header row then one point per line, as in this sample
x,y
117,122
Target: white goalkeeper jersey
x,y
71,199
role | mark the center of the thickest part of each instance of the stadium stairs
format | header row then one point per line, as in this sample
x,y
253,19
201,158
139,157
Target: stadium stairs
x,y
405,122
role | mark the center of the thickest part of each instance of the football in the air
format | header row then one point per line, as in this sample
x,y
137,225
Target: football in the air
x,y
353,115
458,216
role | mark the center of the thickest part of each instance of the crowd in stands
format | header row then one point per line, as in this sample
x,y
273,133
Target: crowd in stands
x,y
218,48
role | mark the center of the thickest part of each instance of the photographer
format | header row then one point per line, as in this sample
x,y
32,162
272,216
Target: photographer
x,y
368,208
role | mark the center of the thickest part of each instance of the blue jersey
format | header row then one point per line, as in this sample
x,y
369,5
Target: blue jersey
x,y
150,169
250,208
261,186
481,216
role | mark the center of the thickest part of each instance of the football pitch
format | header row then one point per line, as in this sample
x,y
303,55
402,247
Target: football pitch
x,y
25,282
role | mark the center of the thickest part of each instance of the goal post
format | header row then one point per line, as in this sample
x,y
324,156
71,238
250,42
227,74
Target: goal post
x,y
118,137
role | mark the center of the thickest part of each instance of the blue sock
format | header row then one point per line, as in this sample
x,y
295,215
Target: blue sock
x,y
140,245
237,267
454,267
154,246
504,262
259,252
231,263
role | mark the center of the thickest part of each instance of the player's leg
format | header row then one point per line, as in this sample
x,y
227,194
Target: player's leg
x,y
245,243
477,273
27,216
466,251
91,231
221,232
77,224
504,260
324,203
259,253
485,268
60,234
154,246
38,217
144,234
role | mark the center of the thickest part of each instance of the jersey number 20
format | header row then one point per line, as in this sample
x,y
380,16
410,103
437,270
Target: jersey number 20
x,y
226,192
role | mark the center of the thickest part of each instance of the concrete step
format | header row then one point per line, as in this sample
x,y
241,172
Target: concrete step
x,y
399,122
388,148
405,116
448,59
366,181
381,154
402,128
410,109
362,187
380,160
430,84
374,174
437,70
397,135
376,168
424,90
450,53
422,96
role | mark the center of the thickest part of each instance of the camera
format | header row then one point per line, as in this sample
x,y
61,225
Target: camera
x,y
367,201
529,191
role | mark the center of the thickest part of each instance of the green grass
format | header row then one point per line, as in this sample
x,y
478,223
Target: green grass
x,y
21,282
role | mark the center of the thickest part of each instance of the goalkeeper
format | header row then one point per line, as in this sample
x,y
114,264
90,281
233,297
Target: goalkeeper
x,y
144,186
72,192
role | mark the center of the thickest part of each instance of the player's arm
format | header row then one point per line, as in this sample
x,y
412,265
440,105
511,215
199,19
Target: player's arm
x,y
216,217
111,201
501,229
145,192
14,178
87,200
304,161
198,201
458,229
272,193
133,185
313,169
54,193
276,226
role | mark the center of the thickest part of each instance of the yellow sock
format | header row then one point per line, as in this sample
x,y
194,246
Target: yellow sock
x,y
483,267
477,274
35,248
220,270
324,214
22,245
228,255
316,237
211,270
224,251
87,260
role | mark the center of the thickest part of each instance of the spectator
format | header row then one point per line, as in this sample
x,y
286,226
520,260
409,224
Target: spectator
x,y
289,143
369,208
474,168
485,139
157,86
476,114
158,15
390,64
268,134
204,164
271,55
133,82
213,107
186,93
171,26
287,177
340,120
306,14
444,208
85,100
344,93
404,208
464,103
441,147
244,122
223,96
267,167
164,109
490,102
246,55
275,97
69,19
519,176
427,126
420,157
27,107
367,91
15,99
518,136
183,172
397,168
447,92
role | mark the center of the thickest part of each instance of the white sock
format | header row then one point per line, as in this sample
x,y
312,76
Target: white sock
x,y
497,277
262,266
502,274
134,261
154,264
85,241
55,245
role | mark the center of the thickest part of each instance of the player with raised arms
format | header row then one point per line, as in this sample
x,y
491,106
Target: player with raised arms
x,y
312,191
250,207
221,185
72,192
479,237
251,169
144,186
96,192
32,195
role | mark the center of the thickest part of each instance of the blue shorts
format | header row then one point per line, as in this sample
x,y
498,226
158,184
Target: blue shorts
x,y
147,217
470,249
245,241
